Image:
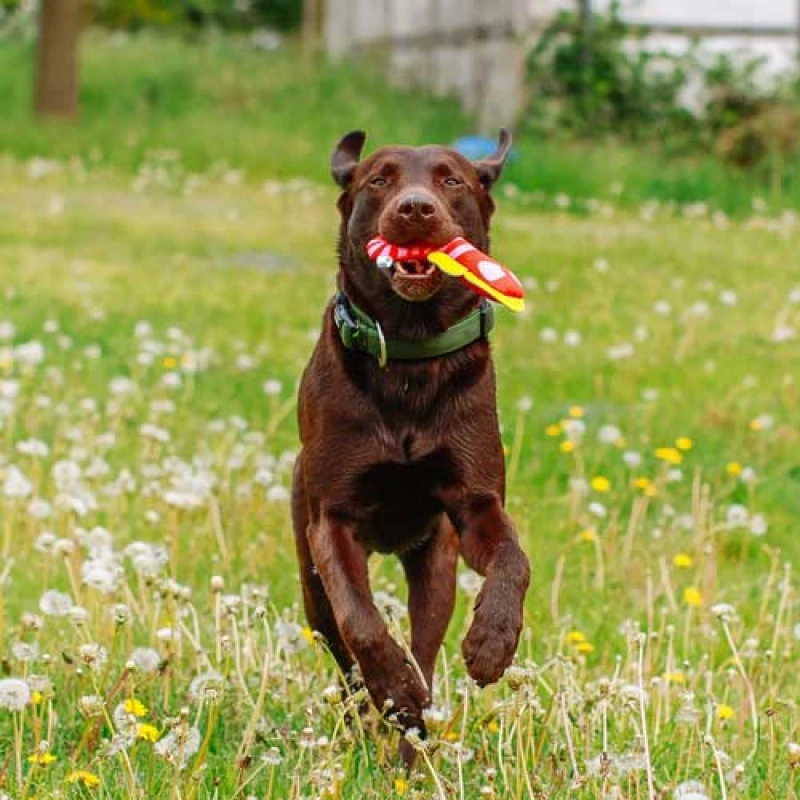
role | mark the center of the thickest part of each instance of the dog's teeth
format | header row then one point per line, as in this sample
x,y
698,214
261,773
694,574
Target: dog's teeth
x,y
384,262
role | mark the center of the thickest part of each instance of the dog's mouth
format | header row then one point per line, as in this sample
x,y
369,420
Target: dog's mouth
x,y
416,269
416,280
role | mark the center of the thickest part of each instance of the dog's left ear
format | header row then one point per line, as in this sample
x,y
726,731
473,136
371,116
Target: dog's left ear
x,y
489,168
345,157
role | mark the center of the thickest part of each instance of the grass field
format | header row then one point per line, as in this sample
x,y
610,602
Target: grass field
x,y
156,317
216,99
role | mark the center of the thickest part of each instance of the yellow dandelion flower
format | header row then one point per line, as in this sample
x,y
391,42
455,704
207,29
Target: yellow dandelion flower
x,y
575,412
734,468
675,677
147,732
451,736
554,430
41,759
135,707
725,712
642,483
684,443
493,726
756,424
36,698
585,647
692,596
576,637
682,560
400,786
83,776
567,446
170,362
669,454
308,634
601,484
588,536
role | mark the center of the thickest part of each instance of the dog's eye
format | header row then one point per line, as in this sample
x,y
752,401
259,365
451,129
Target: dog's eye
x,y
378,180
452,181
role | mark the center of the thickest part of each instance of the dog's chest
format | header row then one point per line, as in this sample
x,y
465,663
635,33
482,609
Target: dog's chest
x,y
399,501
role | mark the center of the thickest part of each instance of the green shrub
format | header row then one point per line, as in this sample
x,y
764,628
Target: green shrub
x,y
597,75
281,14
284,15
588,79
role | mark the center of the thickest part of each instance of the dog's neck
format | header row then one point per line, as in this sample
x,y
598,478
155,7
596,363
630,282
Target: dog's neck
x,y
405,319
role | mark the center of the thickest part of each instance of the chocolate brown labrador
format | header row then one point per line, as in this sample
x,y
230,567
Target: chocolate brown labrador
x,y
405,457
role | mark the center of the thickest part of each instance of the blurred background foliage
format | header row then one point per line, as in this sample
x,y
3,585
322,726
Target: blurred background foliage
x,y
603,77
605,105
283,15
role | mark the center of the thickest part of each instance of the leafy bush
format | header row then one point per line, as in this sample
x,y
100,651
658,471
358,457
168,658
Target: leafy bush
x,y
601,76
281,14
593,77
131,14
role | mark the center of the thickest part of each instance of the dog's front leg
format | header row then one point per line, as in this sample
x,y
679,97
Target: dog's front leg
x,y
490,547
392,681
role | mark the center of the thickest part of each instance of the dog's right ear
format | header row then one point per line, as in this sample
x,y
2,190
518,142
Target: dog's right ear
x,y
345,157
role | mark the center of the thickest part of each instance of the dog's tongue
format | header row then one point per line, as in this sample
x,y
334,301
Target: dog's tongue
x,y
463,260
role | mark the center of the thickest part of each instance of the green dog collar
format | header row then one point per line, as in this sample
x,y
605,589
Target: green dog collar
x,y
359,332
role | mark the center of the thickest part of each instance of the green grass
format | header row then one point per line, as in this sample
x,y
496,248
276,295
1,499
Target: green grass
x,y
98,258
215,99
231,279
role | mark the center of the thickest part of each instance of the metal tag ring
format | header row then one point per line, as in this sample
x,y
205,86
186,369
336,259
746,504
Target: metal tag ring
x,y
382,357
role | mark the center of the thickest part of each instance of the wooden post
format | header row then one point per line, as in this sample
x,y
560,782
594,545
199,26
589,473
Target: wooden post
x,y
57,59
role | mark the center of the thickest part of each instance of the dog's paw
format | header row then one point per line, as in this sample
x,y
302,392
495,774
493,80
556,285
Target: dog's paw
x,y
492,639
398,691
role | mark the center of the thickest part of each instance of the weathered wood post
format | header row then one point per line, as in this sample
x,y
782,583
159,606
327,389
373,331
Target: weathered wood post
x,y
57,59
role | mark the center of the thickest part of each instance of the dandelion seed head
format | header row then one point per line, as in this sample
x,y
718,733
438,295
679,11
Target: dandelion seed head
x,y
93,655
55,604
690,790
15,694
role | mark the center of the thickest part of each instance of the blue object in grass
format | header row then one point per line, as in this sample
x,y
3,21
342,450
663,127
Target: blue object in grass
x,y
477,147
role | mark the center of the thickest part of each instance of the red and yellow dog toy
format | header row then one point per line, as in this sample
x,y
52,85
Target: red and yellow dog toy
x,y
462,260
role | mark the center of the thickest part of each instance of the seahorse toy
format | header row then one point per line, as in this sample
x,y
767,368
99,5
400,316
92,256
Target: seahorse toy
x,y
458,258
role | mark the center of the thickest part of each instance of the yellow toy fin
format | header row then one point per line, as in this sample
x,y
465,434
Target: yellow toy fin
x,y
452,267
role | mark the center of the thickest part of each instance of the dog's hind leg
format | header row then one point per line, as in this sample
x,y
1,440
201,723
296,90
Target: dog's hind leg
x,y
315,600
431,574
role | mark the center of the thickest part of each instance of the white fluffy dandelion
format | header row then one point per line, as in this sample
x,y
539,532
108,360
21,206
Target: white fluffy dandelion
x,y
55,604
146,660
179,745
690,790
14,694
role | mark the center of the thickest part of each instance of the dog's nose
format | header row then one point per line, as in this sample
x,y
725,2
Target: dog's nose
x,y
416,206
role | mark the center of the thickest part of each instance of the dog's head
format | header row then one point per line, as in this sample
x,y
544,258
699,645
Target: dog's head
x,y
410,195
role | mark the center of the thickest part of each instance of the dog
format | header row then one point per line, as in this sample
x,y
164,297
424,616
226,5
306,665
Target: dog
x,y
400,444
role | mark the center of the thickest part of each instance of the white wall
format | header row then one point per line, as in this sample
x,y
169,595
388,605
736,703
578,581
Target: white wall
x,y
749,13
779,52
